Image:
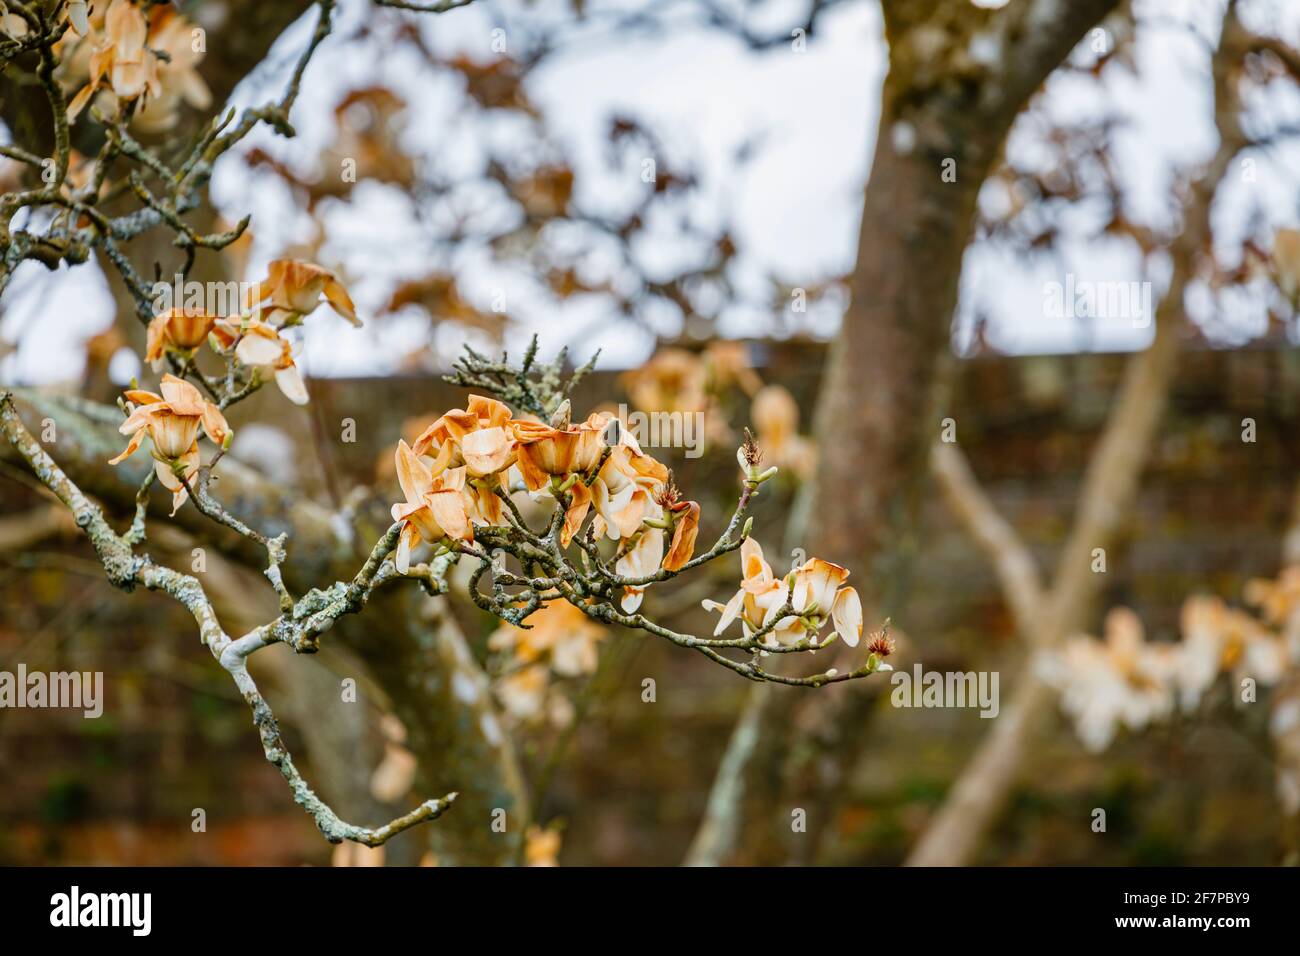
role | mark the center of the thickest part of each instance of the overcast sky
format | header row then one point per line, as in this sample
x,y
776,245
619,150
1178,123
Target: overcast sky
x,y
795,207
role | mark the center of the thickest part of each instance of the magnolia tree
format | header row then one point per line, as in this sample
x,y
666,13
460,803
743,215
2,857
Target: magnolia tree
x,y
564,520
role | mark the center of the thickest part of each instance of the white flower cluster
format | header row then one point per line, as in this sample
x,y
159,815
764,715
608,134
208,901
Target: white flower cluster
x,y
1124,681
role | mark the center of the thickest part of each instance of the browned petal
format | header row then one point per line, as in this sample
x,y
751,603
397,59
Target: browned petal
x,y
579,503
686,529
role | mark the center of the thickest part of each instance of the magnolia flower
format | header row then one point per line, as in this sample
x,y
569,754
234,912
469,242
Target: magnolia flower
x,y
641,560
178,75
1120,681
1218,639
176,330
436,505
625,491
261,346
558,632
813,590
547,451
776,417
171,421
817,589
296,289
674,380
478,437
121,61
760,592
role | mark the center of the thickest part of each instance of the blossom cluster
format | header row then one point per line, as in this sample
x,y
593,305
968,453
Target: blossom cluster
x,y
678,380
462,469
1123,680
253,340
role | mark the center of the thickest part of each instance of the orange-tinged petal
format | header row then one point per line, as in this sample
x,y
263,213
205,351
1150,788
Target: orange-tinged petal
x,y
214,423
496,414
579,503
183,397
685,531
156,338
412,473
449,511
338,298
131,447
487,450
534,476
140,397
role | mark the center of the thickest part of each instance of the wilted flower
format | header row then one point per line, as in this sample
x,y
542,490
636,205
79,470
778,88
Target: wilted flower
x,y
478,437
259,345
816,589
180,330
172,421
685,517
559,633
436,505
178,75
122,60
546,451
813,591
624,492
296,288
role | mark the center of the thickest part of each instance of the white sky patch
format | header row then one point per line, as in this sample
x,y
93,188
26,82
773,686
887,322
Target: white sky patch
x,y
795,208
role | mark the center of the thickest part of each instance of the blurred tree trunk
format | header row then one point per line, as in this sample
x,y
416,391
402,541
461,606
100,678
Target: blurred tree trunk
x,y
958,77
